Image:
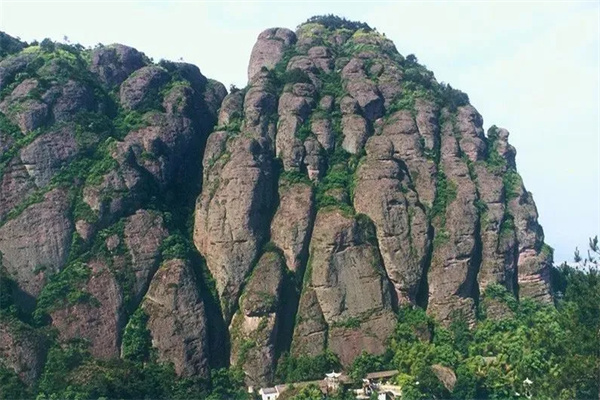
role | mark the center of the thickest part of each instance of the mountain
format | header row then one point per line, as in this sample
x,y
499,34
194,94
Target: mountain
x,y
147,214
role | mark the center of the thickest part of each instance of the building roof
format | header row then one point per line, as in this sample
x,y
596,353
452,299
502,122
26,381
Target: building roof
x,y
333,374
269,390
382,374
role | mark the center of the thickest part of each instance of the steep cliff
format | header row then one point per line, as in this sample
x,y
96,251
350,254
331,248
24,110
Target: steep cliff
x,y
342,183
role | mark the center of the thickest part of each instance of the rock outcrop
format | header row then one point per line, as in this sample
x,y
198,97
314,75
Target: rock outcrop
x,y
341,183
176,319
347,286
254,328
23,350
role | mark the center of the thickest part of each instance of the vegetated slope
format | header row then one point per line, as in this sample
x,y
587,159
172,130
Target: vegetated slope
x,y
342,183
100,166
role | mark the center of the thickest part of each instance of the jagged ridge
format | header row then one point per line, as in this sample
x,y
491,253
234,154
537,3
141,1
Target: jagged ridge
x,y
340,184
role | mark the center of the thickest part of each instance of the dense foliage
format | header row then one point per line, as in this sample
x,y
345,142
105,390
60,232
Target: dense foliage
x,y
333,22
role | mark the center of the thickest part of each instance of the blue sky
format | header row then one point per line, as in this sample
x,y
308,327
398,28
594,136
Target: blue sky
x,y
530,67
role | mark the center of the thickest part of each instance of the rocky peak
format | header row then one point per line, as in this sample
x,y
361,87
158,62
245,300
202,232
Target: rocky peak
x,y
294,216
365,134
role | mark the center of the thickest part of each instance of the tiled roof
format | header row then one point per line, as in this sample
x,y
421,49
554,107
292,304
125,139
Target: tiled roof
x,y
382,374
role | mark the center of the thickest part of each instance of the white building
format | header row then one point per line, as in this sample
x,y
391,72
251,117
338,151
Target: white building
x,y
270,393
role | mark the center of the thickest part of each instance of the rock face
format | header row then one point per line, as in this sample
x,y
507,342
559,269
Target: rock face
x,y
82,177
23,350
254,328
341,183
352,293
35,244
99,319
290,229
382,193
113,64
177,320
233,213
269,49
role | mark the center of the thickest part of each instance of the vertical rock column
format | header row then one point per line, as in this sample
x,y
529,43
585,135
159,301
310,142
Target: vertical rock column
x,y
346,302
452,276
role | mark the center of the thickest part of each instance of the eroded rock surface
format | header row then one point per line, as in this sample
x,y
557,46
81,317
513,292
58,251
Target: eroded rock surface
x,y
177,320
255,326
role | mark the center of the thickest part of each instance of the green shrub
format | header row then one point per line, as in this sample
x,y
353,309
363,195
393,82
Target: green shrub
x,y
512,184
137,340
498,292
332,85
446,191
47,45
441,238
304,131
293,177
60,361
348,323
126,122
175,246
507,226
305,368
9,128
295,75
64,288
11,386
333,22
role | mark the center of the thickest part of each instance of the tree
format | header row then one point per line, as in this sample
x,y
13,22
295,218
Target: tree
x,y
411,58
47,45
310,392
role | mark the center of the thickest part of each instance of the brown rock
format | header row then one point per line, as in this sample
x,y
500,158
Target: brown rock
x,y
269,48
22,349
35,244
47,154
144,233
99,321
445,375
382,193
469,128
28,114
15,186
310,333
321,57
401,128
139,89
314,159
232,108
427,122
254,327
177,320
231,220
348,105
113,64
10,66
259,105
453,271
346,274
326,103
323,131
287,146
368,97
74,97
355,130
290,229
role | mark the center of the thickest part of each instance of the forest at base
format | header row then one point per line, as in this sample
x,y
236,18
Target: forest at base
x,y
556,347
